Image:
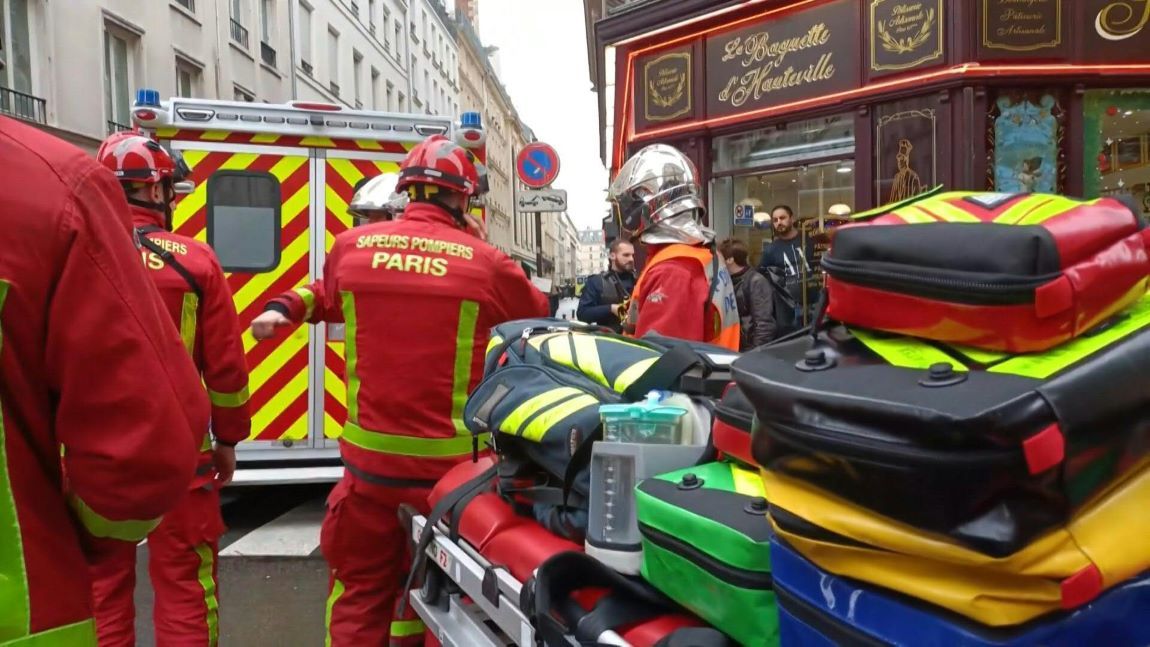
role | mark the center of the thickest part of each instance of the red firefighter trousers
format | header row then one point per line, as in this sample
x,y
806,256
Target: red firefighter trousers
x,y
182,553
368,553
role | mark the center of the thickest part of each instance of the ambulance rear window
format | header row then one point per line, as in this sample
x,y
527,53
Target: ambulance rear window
x,y
244,220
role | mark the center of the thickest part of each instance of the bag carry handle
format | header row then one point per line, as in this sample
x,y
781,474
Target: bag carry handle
x,y
562,575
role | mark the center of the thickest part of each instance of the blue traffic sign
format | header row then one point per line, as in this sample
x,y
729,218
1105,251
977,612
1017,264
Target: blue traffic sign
x,y
537,165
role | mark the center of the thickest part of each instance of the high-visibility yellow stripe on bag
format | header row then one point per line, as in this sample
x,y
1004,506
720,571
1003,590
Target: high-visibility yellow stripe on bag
x,y
1103,545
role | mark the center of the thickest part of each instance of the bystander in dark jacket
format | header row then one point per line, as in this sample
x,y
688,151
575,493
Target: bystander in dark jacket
x,y
753,295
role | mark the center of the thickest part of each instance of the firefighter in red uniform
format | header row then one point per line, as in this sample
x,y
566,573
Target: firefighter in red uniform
x,y
375,201
102,415
418,296
183,548
685,290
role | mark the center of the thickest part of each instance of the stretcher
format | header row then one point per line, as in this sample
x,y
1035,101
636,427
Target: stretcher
x,y
477,588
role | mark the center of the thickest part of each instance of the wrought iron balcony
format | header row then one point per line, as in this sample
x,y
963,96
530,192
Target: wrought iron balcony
x,y
115,127
239,34
23,106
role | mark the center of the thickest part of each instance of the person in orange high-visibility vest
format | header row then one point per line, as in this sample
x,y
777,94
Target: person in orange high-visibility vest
x,y
685,290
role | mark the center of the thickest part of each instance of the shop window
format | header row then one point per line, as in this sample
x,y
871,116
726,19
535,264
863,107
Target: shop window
x,y
829,137
1026,154
906,149
1117,143
244,220
813,193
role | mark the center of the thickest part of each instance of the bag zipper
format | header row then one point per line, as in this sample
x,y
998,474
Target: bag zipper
x,y
828,626
817,440
921,282
741,578
796,525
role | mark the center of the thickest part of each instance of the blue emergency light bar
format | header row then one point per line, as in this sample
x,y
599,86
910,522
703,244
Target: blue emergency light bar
x,y
470,120
148,98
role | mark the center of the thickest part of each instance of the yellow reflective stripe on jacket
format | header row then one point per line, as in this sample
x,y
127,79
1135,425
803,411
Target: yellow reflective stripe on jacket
x,y
633,373
308,298
513,423
406,628
540,424
15,600
948,212
1043,365
229,400
906,352
376,441
351,357
461,378
77,634
747,482
188,321
206,446
100,526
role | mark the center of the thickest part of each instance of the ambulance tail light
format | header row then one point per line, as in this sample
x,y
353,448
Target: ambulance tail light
x,y
315,105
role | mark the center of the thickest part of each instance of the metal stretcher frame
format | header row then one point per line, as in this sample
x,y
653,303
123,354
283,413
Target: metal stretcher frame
x,y
494,595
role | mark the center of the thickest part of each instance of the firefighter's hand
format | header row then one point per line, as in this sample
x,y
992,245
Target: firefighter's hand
x,y
476,226
265,325
224,458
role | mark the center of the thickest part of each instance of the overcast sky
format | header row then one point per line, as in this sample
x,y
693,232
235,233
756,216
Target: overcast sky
x,y
545,71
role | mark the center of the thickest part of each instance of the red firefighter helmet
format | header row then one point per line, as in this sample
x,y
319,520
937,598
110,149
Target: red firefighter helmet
x,y
440,162
131,157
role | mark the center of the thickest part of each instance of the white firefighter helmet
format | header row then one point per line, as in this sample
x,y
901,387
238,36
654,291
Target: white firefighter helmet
x,y
378,195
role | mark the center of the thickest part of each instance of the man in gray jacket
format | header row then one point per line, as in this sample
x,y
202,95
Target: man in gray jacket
x,y
753,294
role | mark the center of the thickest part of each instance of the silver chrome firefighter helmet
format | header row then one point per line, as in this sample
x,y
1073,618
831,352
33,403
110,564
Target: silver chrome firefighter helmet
x,y
378,195
655,185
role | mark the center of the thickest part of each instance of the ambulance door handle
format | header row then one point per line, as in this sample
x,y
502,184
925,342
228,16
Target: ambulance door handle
x,y
335,332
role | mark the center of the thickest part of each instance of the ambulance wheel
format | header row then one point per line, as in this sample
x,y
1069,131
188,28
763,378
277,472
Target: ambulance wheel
x,y
432,590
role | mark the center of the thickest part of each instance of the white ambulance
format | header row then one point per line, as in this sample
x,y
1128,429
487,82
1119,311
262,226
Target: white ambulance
x,y
272,185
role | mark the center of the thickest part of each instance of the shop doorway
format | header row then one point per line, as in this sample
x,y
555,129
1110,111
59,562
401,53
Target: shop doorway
x,y
1117,145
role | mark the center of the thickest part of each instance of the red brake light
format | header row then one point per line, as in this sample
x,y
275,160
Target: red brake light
x,y
310,105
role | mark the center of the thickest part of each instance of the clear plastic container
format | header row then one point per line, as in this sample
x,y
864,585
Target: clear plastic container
x,y
647,422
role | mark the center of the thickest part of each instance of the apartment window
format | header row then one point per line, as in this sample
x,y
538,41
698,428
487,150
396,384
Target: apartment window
x,y
187,79
190,5
15,49
241,94
423,15
371,16
398,38
267,20
239,32
390,90
118,48
386,22
357,73
244,220
401,106
305,38
333,60
374,89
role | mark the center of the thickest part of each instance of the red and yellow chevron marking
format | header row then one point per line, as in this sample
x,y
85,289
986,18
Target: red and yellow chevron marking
x,y
342,176
279,367
267,139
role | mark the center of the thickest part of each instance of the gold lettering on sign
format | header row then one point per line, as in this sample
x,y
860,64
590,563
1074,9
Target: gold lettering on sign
x,y
668,86
1122,20
764,59
1021,25
905,34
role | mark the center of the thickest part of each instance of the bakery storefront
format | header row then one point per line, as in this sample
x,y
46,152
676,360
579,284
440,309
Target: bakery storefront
x,y
835,106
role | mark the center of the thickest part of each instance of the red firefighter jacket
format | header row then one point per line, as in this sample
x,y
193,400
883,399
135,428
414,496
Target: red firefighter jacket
x,y
305,304
208,324
103,412
418,296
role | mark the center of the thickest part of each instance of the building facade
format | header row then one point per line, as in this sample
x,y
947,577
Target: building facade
x,y
567,263
592,257
58,56
831,105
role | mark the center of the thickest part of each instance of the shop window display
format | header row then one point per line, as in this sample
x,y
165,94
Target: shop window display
x,y
1116,128
1025,143
906,149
